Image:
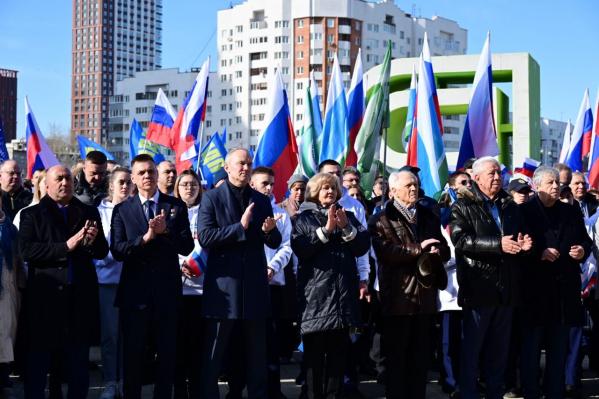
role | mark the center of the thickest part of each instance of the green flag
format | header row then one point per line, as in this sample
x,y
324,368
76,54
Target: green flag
x,y
308,145
375,118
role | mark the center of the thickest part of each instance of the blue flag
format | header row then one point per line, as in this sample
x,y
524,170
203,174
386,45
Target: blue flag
x,y
223,136
3,150
139,145
212,158
86,145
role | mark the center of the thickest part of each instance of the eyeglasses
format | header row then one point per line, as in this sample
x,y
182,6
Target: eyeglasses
x,y
193,185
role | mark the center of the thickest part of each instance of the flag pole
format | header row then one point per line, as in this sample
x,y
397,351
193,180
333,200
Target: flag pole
x,y
198,170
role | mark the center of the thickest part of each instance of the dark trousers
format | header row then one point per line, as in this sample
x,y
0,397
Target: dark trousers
x,y
251,334
556,339
39,363
157,323
451,342
112,356
406,343
190,340
486,340
512,373
376,353
573,359
325,356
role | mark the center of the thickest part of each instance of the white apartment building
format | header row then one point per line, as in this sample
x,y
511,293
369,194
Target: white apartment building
x,y
135,97
552,137
299,36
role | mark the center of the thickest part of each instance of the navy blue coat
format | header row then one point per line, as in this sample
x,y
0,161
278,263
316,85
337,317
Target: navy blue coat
x,y
151,272
235,284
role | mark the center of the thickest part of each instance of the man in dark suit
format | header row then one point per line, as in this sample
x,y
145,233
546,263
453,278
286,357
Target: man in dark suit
x,y
58,239
234,224
149,231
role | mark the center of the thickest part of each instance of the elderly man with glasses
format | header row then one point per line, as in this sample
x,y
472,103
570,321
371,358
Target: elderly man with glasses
x,y
14,195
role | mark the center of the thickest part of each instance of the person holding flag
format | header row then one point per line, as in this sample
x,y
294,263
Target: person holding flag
x,y
190,333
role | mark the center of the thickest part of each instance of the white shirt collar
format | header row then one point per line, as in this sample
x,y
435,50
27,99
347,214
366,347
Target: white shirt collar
x,y
154,197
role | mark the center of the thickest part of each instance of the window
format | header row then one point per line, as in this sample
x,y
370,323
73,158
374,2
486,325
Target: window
x,y
330,38
238,119
300,70
223,122
238,135
239,28
223,92
300,55
238,89
300,39
330,22
401,34
223,107
299,101
285,70
300,23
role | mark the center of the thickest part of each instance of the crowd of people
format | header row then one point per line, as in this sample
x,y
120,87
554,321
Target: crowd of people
x,y
183,285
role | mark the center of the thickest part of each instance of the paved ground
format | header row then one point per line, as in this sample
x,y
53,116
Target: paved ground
x,y
368,388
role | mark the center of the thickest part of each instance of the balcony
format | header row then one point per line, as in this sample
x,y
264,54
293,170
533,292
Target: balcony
x,y
316,59
344,61
343,44
318,75
344,29
258,25
316,28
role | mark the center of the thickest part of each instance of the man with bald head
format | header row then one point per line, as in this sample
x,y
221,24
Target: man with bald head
x,y
167,175
59,239
14,196
234,223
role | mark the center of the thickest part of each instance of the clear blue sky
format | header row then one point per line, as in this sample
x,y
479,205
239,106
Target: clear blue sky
x,y
35,39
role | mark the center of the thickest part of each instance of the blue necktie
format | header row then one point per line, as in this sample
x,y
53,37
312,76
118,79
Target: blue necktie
x,y
149,209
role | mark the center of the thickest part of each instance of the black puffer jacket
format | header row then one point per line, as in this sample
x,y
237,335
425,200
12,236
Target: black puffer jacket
x,y
327,276
486,275
88,195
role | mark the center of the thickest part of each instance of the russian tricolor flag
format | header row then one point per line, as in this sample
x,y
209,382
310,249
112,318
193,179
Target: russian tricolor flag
x,y
161,123
428,151
197,260
430,80
594,158
39,155
480,137
583,126
192,114
355,105
277,147
335,132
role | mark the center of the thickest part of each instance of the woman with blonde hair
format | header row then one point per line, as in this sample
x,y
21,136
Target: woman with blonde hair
x,y
327,240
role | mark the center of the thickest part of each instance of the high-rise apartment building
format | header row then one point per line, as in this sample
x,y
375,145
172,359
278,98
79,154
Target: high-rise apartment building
x,y
112,39
8,103
298,36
